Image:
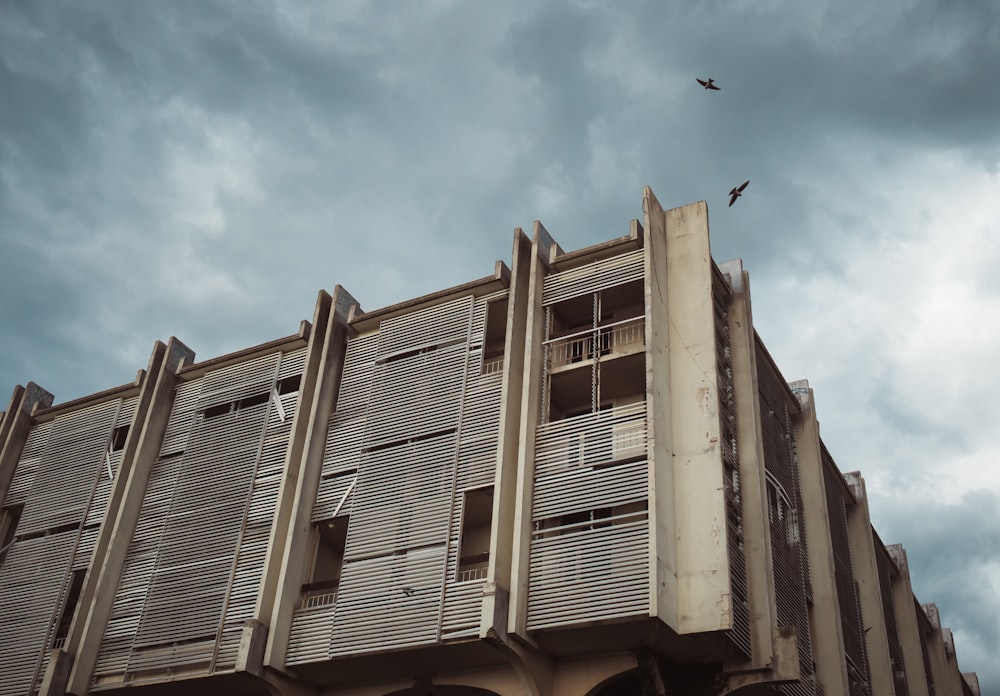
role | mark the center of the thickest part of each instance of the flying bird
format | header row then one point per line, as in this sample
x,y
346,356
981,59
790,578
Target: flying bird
x,y
737,192
408,591
707,85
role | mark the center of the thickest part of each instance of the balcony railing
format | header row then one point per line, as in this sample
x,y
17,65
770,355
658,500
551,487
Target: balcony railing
x,y
492,366
612,339
311,601
470,574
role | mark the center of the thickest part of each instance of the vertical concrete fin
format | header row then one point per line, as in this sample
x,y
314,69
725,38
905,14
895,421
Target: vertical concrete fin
x,y
15,427
142,444
548,250
700,515
753,481
290,533
542,249
869,585
828,654
505,524
662,532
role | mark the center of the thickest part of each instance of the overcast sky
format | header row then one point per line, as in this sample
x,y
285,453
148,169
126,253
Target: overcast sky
x,y
202,169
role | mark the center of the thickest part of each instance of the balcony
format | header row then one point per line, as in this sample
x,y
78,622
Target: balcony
x,y
609,341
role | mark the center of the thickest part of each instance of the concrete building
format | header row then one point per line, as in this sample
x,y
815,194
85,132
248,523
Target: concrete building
x,y
582,475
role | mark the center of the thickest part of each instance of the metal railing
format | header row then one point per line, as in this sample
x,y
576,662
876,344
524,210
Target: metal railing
x,y
470,574
619,337
492,366
314,599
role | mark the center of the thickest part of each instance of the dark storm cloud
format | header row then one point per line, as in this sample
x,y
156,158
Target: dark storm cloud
x,y
951,548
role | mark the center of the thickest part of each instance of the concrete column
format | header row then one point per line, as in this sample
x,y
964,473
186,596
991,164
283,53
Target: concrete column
x,y
543,248
504,525
662,530
14,429
907,624
859,530
142,446
290,531
753,493
945,671
699,500
828,637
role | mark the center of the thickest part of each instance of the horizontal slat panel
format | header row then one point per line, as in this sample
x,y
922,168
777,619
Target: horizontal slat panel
x,y
66,474
32,579
31,455
593,277
435,325
389,602
589,575
402,498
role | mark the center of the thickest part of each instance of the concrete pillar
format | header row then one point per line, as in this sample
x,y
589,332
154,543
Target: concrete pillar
x,y
504,525
699,500
828,637
662,530
946,675
142,446
543,249
290,532
907,624
859,530
753,493
14,429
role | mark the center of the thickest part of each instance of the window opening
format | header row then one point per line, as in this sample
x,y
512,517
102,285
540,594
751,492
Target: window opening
x,y
474,543
289,385
594,350
69,608
329,542
494,336
118,437
9,517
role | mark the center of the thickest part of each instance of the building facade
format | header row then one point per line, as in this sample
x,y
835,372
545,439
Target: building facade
x,y
582,475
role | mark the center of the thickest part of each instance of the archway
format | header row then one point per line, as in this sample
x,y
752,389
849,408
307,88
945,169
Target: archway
x,y
625,684
443,690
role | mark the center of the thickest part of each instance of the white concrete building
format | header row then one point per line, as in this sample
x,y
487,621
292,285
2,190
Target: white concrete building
x,y
580,475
